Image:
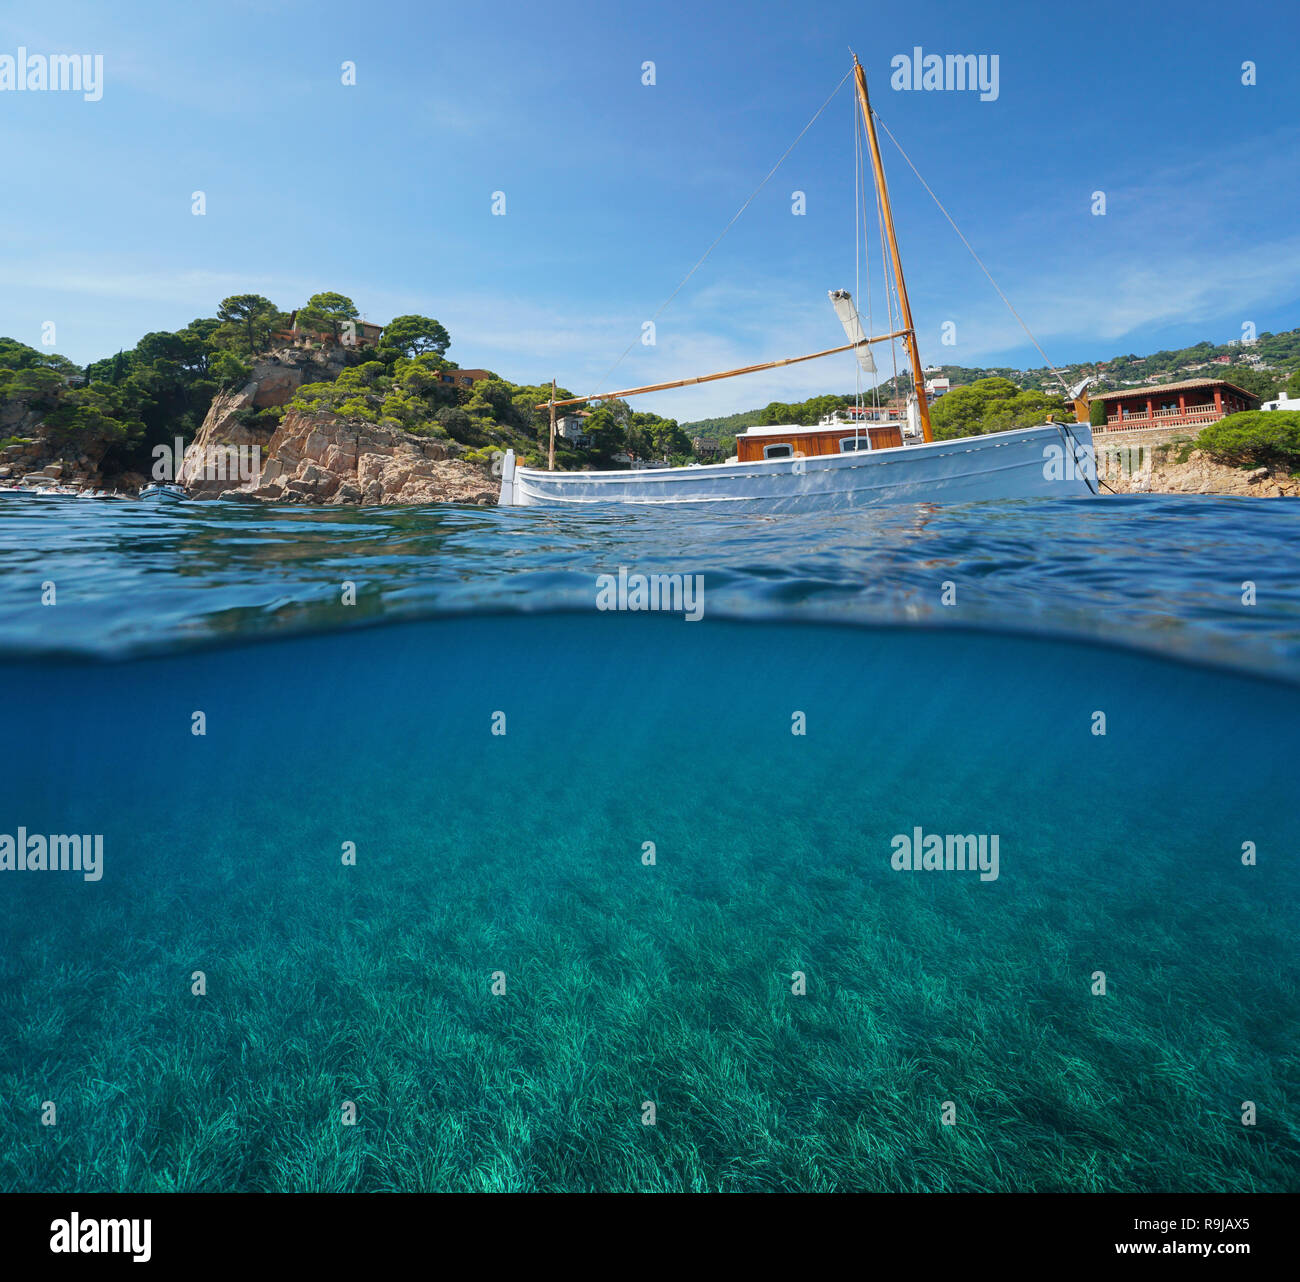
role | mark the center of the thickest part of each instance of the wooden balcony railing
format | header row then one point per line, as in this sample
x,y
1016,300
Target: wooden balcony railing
x,y
1192,414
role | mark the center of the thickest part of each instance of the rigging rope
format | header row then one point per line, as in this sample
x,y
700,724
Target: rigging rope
x,y
604,377
974,255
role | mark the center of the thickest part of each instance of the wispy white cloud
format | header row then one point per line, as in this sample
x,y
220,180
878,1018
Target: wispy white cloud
x,y
195,287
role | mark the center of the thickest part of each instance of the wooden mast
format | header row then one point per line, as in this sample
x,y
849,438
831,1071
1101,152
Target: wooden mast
x,y
550,457
909,330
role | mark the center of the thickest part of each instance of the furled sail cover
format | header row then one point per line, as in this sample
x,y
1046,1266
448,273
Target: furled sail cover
x,y
842,301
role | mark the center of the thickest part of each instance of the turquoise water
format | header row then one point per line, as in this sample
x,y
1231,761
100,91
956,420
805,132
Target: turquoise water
x,y
516,860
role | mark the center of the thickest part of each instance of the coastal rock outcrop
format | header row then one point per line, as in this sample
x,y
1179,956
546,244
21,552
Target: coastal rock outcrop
x,y
1200,474
230,436
31,453
321,458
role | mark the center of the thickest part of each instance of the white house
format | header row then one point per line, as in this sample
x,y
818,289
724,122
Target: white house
x,y
1283,402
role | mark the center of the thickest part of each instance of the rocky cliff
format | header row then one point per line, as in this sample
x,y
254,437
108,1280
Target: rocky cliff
x,y
31,453
205,471
319,457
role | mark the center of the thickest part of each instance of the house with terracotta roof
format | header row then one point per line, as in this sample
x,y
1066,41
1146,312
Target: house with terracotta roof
x,y
463,377
1192,403
360,333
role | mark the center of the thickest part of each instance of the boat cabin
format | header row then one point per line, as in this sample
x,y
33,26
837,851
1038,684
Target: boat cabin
x,y
832,435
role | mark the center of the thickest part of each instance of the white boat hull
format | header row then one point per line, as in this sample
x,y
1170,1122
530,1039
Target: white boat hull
x,y
1051,461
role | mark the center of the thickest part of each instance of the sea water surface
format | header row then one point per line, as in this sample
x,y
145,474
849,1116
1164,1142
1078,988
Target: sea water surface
x,y
422,871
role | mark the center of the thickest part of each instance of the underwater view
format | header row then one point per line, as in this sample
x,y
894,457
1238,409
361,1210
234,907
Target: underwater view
x,y
449,849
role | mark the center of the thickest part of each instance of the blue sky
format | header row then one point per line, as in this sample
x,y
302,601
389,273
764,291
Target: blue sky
x,y
383,189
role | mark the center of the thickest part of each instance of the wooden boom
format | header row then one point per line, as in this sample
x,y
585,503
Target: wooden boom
x,y
727,373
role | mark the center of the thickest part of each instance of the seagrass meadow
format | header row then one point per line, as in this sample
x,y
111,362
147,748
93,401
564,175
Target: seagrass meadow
x,y
520,856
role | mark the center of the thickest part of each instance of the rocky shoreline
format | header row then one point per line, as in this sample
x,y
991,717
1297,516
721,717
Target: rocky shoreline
x,y
307,458
1198,474
319,458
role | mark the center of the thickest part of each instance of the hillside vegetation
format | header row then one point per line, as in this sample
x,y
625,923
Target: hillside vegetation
x,y
1264,368
116,410
1254,437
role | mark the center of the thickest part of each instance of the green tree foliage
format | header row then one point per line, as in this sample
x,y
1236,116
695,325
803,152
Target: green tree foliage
x,y
608,436
247,321
162,387
15,355
98,417
650,437
1097,413
18,356
198,338
358,392
808,412
776,412
327,314
412,396
491,398
128,402
1256,436
228,370
525,401
991,405
37,387
1257,382
457,423
413,336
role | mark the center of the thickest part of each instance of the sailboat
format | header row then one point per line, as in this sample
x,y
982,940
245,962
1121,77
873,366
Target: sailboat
x,y
852,459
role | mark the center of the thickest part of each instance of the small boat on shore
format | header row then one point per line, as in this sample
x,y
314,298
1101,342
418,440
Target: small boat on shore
x,y
39,483
868,460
